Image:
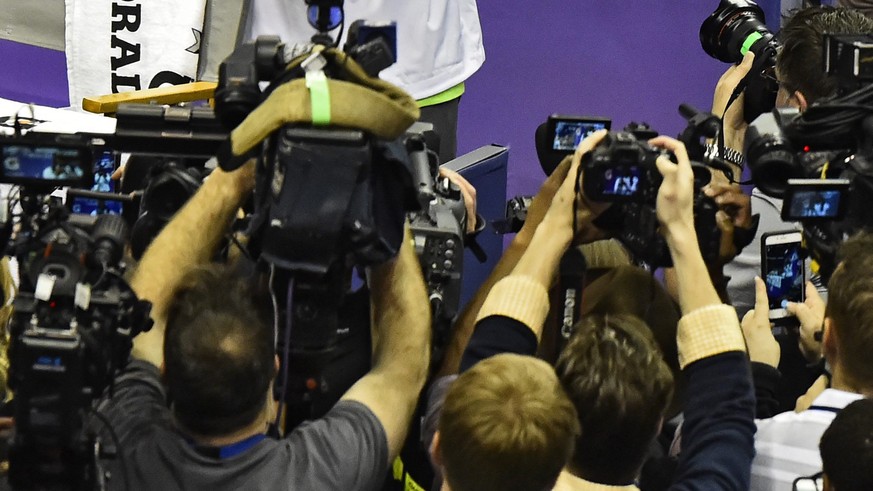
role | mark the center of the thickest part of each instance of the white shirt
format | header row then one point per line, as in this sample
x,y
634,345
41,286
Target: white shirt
x,y
787,444
439,42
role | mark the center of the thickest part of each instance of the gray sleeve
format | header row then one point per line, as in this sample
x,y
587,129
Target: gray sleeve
x,y
346,449
137,403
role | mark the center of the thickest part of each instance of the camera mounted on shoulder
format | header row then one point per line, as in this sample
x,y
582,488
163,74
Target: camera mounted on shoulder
x,y
338,173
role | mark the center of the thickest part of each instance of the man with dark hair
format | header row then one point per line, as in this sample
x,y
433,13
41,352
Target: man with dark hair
x,y
213,347
616,376
203,325
847,449
802,82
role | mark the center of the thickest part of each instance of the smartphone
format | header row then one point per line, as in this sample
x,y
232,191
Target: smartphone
x,y
783,270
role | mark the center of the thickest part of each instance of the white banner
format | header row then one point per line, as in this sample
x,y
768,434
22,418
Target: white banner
x,y
117,46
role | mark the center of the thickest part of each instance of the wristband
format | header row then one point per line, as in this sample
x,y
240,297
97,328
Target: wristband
x,y
731,155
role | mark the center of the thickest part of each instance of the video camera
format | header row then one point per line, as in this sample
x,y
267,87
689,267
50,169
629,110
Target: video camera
x,y
74,315
821,161
330,198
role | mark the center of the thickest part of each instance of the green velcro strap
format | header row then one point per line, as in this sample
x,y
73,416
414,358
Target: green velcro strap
x,y
750,40
319,97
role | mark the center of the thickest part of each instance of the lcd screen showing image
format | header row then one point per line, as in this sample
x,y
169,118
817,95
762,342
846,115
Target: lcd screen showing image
x,y
783,274
43,164
816,204
568,133
104,167
621,181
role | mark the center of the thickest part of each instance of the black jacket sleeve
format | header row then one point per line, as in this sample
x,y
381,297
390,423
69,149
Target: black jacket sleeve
x,y
497,334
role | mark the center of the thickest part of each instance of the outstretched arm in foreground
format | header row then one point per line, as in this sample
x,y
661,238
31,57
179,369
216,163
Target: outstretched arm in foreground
x,y
717,435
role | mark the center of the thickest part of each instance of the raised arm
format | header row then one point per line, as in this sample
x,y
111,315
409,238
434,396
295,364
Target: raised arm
x,y
188,240
541,263
401,318
717,435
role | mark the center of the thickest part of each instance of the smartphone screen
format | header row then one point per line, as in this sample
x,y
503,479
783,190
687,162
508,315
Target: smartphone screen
x,y
104,166
783,271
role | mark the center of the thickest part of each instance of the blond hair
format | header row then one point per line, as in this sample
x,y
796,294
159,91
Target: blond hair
x,y
506,425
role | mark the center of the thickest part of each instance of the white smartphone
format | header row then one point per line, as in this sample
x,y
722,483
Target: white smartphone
x,y
783,270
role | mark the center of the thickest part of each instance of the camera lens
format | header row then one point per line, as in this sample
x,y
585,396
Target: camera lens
x,y
732,29
167,197
773,163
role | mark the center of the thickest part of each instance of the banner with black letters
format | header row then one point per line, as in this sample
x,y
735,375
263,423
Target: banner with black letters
x,y
117,46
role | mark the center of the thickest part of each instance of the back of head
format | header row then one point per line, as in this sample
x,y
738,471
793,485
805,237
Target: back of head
x,y
847,448
800,60
617,379
850,308
218,353
506,425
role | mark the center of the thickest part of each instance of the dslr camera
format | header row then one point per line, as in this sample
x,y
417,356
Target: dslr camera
x,y
622,171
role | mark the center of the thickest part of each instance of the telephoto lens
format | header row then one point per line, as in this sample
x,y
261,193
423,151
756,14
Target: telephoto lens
x,y
734,28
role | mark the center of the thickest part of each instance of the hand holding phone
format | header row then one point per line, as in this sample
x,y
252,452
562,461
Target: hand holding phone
x,y
783,271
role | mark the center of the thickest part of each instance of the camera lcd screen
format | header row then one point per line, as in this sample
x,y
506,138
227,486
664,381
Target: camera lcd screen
x,y
783,273
815,204
104,167
568,133
815,199
621,181
47,165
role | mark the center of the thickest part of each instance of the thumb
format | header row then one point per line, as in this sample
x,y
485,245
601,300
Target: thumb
x,y
746,64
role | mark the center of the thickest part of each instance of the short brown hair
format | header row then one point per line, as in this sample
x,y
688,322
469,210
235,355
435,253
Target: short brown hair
x,y
800,59
506,425
850,308
617,378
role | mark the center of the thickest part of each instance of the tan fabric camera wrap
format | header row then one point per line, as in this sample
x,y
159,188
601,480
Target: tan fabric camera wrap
x,y
366,103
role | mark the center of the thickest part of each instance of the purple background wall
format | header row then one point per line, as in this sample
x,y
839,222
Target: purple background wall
x,y
629,60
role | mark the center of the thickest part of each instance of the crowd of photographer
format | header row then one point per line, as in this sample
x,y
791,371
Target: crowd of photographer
x,y
293,321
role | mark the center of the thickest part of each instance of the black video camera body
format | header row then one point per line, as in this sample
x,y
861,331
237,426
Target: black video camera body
x,y
71,331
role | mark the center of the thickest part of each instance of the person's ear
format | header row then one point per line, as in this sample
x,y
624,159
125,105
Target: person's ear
x,y
829,341
801,100
436,453
826,483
